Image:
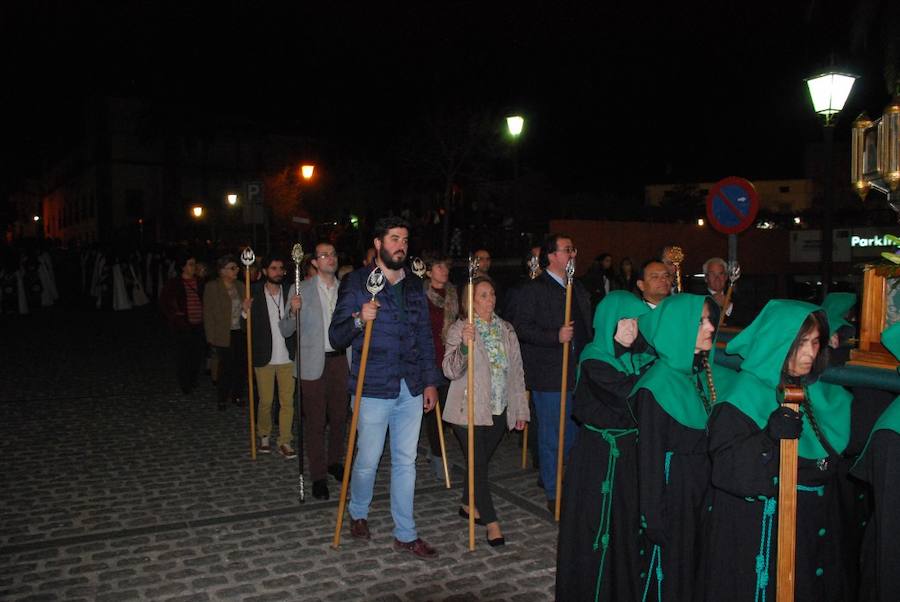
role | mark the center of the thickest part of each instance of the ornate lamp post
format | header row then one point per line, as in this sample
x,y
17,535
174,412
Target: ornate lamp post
x,y
829,92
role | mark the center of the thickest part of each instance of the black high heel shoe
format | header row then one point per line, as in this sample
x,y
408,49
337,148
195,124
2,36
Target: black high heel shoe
x,y
465,515
499,541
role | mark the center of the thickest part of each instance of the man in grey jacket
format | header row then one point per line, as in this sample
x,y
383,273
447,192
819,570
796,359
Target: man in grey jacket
x,y
323,372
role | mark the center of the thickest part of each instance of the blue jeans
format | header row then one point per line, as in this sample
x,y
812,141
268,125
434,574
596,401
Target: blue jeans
x,y
546,404
403,416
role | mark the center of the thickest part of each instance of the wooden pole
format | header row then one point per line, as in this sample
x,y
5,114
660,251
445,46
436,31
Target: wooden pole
x,y
525,436
787,506
734,272
562,404
470,408
247,258
440,428
374,284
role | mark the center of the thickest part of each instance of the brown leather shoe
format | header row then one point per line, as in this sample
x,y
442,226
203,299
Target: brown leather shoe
x,y
417,548
359,528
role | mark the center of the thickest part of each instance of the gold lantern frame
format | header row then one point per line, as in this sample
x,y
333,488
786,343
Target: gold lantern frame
x,y
875,152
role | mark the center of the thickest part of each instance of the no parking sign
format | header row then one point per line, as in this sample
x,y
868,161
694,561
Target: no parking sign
x,y
731,205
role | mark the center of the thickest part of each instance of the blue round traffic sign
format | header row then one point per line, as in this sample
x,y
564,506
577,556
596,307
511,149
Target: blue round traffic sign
x,y
731,205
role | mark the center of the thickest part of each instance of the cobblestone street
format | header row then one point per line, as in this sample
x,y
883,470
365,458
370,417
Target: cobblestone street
x,y
116,486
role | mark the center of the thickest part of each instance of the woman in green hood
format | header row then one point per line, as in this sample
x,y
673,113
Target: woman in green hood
x,y
598,551
786,345
672,401
879,466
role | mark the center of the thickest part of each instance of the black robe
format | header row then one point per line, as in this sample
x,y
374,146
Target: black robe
x,y
743,522
880,555
600,403
673,474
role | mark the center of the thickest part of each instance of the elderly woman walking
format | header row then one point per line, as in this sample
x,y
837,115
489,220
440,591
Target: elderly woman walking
x,y
500,400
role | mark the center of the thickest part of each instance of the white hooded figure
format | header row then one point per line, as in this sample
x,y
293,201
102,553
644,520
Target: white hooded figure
x,y
120,293
138,295
49,293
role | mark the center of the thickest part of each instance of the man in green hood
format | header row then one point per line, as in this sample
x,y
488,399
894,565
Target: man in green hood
x,y
598,554
671,402
785,345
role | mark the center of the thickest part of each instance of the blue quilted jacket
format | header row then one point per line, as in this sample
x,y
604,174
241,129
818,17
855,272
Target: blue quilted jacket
x,y
401,346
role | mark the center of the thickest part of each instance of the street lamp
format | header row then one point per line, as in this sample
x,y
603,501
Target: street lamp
x,y
306,170
197,211
515,123
829,92
36,218
232,199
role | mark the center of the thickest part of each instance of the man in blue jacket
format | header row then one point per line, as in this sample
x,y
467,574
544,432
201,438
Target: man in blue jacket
x,y
401,379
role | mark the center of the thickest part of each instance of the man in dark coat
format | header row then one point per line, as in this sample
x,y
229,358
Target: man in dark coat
x,y
539,319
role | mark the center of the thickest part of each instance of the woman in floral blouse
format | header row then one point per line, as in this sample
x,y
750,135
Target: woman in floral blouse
x,y
500,400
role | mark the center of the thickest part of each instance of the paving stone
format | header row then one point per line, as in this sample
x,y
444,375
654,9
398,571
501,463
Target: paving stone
x,y
208,582
238,592
168,589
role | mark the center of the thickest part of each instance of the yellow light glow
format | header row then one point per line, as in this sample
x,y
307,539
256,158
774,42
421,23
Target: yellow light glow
x,y
197,210
307,171
701,221
797,220
37,218
232,199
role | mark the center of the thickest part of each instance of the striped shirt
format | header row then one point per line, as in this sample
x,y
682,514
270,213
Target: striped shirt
x,y
194,307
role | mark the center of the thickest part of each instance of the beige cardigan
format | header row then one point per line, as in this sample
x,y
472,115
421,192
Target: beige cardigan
x,y
454,365
217,312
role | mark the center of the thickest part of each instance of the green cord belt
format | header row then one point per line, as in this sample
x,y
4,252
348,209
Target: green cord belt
x,y
602,538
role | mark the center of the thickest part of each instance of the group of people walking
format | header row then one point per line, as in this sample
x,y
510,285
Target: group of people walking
x,y
672,489
671,482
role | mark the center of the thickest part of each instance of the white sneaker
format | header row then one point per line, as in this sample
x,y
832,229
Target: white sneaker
x,y
264,445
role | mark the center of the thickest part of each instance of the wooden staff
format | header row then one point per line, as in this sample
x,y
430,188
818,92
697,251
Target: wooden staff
x,y
787,505
297,256
419,268
525,435
534,269
247,258
470,403
374,284
570,274
734,272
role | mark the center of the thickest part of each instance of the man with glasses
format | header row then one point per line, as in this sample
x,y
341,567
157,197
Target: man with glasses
x,y
323,372
538,316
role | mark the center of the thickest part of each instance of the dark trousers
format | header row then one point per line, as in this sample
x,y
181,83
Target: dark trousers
x,y
325,401
431,426
230,375
487,438
190,349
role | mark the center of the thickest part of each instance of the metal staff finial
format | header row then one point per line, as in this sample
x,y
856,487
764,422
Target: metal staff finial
x,y
533,267
375,282
734,272
570,270
297,256
474,264
247,256
676,256
417,266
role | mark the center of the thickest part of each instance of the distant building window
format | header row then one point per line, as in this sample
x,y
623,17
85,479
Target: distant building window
x,y
784,189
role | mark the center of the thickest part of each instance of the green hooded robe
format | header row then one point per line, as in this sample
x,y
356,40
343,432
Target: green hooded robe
x,y
673,465
599,551
741,555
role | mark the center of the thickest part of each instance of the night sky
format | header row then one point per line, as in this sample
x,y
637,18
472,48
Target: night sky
x,y
615,95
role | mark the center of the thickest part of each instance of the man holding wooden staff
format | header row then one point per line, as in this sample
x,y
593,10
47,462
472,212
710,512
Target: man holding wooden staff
x,y
538,318
400,380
